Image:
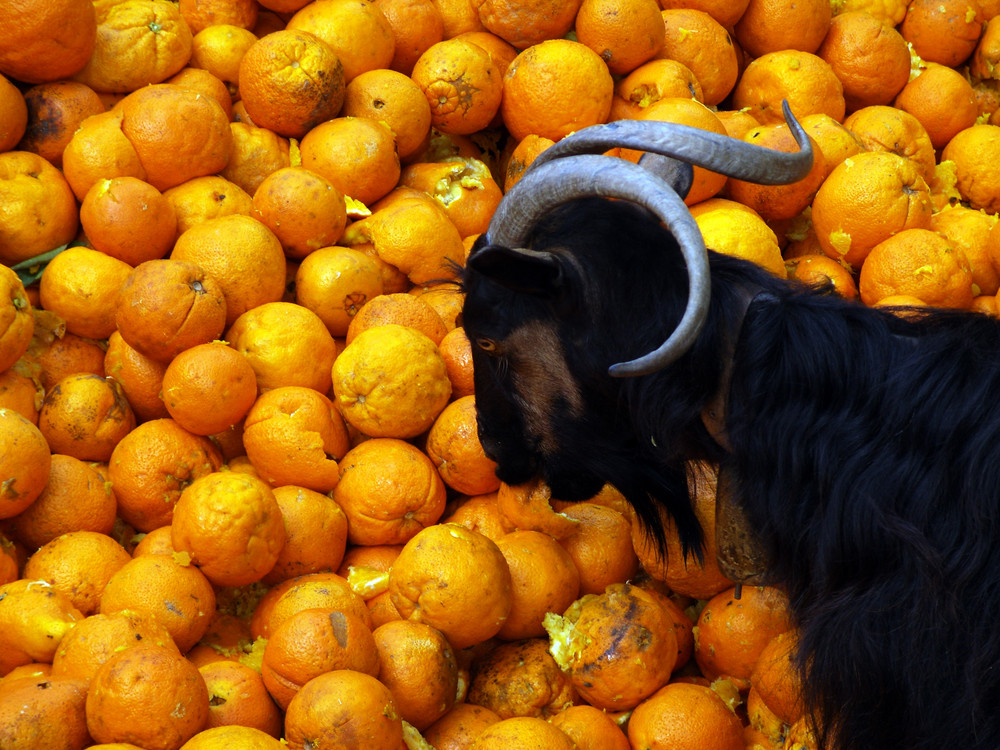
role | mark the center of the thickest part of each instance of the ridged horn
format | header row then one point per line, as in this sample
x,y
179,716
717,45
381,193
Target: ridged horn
x,y
542,189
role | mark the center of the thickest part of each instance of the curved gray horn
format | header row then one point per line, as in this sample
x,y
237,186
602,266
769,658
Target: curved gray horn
x,y
719,153
542,189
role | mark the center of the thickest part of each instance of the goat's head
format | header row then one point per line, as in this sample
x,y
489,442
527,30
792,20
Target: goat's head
x,y
564,291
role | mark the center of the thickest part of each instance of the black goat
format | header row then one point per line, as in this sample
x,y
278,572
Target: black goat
x,y
862,446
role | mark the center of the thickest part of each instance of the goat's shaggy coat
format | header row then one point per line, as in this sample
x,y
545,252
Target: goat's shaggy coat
x,y
863,446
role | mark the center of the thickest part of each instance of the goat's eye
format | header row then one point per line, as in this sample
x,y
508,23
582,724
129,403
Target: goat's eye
x,y
487,345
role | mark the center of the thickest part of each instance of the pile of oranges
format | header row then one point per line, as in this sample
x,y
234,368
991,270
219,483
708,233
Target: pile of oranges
x,y
242,498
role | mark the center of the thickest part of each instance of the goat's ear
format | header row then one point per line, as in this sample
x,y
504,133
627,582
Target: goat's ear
x,y
525,271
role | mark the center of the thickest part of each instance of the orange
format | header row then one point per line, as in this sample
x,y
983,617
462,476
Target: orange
x,y
683,624
773,25
986,57
942,100
686,717
178,597
418,666
942,31
208,388
971,231
315,533
237,696
600,546
544,579
76,499
66,355
416,26
149,695
37,208
151,465
46,41
139,42
823,271
34,617
14,119
866,199
200,14
400,309
395,99
702,44
206,197
684,574
726,12
776,679
20,391
17,321
458,17
889,11
231,735
459,727
462,85
835,141
590,728
502,52
156,542
650,82
389,490
98,149
524,732
304,210
312,642
624,34
357,155
445,297
43,712
886,128
869,57
806,81
731,633
168,305
230,524
290,81
81,286
128,219
734,231
244,257
177,133
520,679
255,154
455,580
768,730
85,416
25,465
555,88
920,263
525,23
206,83
139,376
312,591
375,377
219,49
55,111
634,626
78,563
974,151
528,506
413,234
464,187
453,445
358,32
336,283
456,350
294,435
685,111
481,514
343,707
94,640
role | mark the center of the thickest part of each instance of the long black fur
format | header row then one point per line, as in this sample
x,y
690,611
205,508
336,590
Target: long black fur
x,y
864,446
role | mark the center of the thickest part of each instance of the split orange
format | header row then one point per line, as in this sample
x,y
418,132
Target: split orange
x,y
290,81
529,506
453,445
85,416
520,678
807,82
600,546
624,34
921,263
419,667
312,642
75,499
687,717
79,564
46,41
773,25
390,490
416,26
974,151
343,704
336,283
149,695
972,231
151,465
357,30
206,197
555,88
294,435
464,187
177,133
461,84
703,45
481,513
357,155
237,697
55,110
527,732
942,100
942,31
37,209
25,464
